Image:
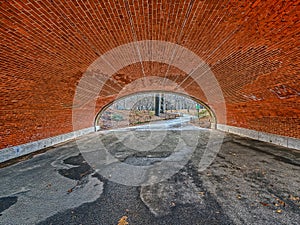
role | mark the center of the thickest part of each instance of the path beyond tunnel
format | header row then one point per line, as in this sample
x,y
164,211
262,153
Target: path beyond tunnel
x,y
245,184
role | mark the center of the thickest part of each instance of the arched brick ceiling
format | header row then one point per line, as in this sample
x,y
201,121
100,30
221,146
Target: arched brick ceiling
x,y
252,48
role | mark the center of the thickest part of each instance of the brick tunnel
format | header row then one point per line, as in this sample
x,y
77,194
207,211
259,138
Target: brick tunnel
x,y
63,62
239,57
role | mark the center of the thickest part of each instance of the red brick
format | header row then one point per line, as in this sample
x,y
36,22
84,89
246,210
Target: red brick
x,y
251,47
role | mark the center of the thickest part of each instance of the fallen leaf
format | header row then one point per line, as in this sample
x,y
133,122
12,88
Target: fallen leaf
x,y
83,174
281,202
264,204
123,221
201,193
70,190
279,211
294,198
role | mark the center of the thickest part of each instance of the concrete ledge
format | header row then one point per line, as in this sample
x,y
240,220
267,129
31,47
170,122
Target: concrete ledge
x,y
262,136
20,150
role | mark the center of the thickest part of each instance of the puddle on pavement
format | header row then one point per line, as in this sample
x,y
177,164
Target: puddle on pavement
x,y
76,173
7,202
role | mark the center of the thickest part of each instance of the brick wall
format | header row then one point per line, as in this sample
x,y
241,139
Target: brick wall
x,y
252,47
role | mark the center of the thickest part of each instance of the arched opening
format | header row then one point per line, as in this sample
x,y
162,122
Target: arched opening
x,y
141,107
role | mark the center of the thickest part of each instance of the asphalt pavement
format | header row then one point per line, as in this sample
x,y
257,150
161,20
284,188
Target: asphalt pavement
x,y
169,173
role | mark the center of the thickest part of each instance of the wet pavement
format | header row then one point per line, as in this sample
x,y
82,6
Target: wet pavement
x,y
171,174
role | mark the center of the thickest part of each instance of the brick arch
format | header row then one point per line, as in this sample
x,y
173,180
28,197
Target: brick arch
x,y
103,69
252,48
133,72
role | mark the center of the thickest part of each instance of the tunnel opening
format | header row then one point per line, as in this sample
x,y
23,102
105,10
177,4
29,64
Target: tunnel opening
x,y
153,106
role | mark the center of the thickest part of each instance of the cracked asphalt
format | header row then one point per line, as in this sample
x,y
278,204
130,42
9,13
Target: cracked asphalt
x,y
154,175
